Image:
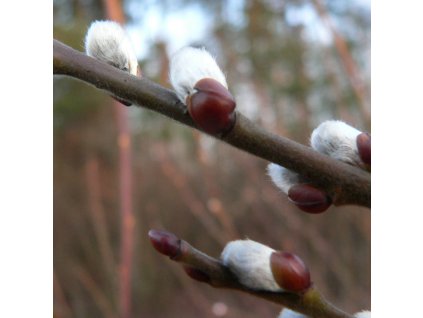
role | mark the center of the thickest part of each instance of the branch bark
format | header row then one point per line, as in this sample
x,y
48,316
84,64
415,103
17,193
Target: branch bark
x,y
205,268
345,184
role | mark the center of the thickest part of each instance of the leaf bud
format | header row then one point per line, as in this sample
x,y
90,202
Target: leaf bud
x,y
290,272
165,242
211,106
308,198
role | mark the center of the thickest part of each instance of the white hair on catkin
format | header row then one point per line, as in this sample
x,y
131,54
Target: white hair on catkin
x,y
337,140
283,178
189,65
250,262
108,42
288,313
363,314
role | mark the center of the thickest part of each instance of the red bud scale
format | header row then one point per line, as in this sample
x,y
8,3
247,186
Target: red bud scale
x,y
165,242
290,272
364,147
309,199
212,106
196,274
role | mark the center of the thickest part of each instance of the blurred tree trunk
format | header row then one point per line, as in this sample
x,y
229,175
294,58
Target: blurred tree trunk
x,y
114,12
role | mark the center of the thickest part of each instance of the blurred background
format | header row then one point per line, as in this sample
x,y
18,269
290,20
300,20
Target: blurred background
x,y
119,172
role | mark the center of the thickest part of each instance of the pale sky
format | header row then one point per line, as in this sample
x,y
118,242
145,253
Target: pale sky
x,y
191,24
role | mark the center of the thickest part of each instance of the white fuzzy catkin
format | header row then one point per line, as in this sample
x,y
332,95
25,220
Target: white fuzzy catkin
x,y
188,66
250,262
288,313
337,140
108,42
363,314
283,178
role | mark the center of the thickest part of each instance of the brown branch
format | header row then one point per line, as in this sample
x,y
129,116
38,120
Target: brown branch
x,y
205,268
344,183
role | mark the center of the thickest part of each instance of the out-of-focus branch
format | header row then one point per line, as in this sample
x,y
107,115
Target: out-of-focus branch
x,y
98,218
114,12
205,268
196,207
346,60
61,305
344,183
95,291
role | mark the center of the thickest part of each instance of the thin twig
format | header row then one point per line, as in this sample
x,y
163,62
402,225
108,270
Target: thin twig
x,y
344,183
210,270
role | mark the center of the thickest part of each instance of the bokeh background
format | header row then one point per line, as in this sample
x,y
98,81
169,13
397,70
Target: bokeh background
x,y
119,172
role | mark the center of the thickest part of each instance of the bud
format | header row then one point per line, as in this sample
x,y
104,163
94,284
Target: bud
x,y
290,272
106,41
283,178
165,242
337,140
364,147
200,83
212,106
196,274
259,267
188,66
249,261
309,199
363,314
288,313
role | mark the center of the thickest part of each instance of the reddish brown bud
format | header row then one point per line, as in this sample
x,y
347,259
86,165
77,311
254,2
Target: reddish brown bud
x,y
165,242
290,272
196,274
212,106
309,199
364,147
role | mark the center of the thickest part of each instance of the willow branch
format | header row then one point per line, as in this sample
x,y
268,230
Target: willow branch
x,y
207,269
344,183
